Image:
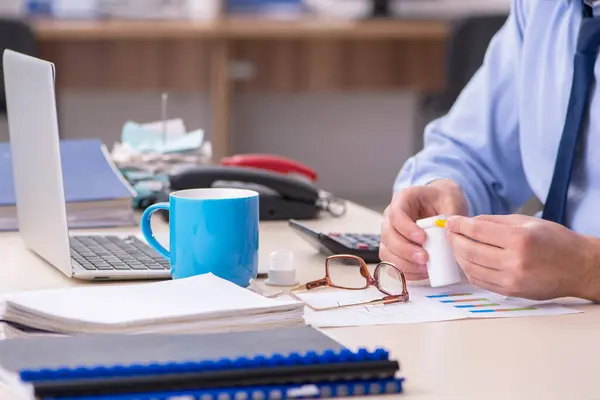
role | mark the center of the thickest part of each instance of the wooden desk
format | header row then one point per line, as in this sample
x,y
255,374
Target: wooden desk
x,y
306,55
523,358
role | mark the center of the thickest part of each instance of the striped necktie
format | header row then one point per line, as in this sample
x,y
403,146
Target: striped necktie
x,y
583,79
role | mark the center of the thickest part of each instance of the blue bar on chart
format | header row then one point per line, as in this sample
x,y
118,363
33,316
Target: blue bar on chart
x,y
462,300
476,305
440,296
503,310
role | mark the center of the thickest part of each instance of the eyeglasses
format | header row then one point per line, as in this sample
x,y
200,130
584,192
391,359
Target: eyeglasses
x,y
350,272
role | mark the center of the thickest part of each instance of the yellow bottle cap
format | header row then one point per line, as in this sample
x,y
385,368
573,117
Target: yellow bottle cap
x,y
439,221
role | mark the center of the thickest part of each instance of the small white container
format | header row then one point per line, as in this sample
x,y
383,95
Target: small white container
x,y
442,267
282,271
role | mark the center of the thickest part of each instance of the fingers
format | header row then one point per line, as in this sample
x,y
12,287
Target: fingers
x,y
402,217
449,206
478,272
402,238
449,199
481,230
513,219
400,251
480,275
399,246
493,287
412,271
473,252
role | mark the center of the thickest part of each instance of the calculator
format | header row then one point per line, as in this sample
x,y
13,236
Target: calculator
x,y
363,245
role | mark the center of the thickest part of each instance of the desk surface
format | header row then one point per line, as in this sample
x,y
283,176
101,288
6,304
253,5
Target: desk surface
x,y
523,358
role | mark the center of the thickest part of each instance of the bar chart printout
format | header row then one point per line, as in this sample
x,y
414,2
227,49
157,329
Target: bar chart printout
x,y
478,304
427,304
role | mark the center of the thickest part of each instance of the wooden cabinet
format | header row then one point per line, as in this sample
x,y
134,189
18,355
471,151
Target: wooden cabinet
x,y
304,55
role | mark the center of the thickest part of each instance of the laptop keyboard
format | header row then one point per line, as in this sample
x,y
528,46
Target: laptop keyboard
x,y
115,253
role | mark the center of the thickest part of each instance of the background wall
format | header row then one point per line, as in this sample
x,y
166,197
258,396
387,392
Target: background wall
x,y
362,139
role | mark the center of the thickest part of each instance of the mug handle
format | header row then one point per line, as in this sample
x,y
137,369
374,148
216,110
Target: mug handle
x,y
147,229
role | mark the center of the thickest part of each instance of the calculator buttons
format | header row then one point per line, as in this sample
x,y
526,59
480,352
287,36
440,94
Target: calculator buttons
x,y
361,242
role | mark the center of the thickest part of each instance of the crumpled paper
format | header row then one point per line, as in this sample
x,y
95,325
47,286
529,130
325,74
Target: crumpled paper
x,y
159,147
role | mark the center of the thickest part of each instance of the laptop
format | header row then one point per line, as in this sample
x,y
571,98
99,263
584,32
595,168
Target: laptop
x,y
39,190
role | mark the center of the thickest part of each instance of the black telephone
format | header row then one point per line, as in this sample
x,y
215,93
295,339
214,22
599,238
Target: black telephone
x,y
281,197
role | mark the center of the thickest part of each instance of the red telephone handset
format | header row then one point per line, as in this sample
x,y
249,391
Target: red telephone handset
x,y
272,163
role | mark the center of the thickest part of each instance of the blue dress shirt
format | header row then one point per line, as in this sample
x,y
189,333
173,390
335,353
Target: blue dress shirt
x,y
500,139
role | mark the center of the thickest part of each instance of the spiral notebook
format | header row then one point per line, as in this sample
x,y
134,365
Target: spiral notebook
x,y
122,365
275,392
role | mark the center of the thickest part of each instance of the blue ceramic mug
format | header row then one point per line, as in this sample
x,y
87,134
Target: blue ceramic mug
x,y
211,231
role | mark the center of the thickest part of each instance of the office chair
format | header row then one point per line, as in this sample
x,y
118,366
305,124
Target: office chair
x,y
18,36
465,51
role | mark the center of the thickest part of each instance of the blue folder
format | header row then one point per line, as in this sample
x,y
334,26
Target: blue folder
x,y
135,366
88,174
309,391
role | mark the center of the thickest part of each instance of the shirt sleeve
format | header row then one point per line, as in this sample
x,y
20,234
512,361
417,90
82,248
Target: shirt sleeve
x,y
477,143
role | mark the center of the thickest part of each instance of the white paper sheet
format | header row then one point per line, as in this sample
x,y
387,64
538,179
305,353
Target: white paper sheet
x,y
199,298
461,301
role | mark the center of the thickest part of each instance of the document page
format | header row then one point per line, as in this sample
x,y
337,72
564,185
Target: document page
x,y
426,304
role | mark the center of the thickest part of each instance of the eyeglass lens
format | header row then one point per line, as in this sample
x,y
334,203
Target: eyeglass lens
x,y
390,280
345,272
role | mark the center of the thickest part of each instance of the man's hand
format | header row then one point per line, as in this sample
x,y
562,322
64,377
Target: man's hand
x,y
401,238
526,257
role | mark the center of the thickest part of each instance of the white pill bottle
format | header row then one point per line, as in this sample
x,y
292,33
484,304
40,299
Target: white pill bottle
x,y
442,267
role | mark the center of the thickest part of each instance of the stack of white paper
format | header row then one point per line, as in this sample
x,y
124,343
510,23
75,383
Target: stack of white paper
x,y
199,304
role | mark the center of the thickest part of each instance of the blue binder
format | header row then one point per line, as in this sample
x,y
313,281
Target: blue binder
x,y
134,366
82,161
105,203
309,391
275,370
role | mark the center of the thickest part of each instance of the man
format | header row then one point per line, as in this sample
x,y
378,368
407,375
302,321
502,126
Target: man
x,y
527,124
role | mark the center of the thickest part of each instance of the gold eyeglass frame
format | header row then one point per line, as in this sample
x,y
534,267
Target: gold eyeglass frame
x,y
370,280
